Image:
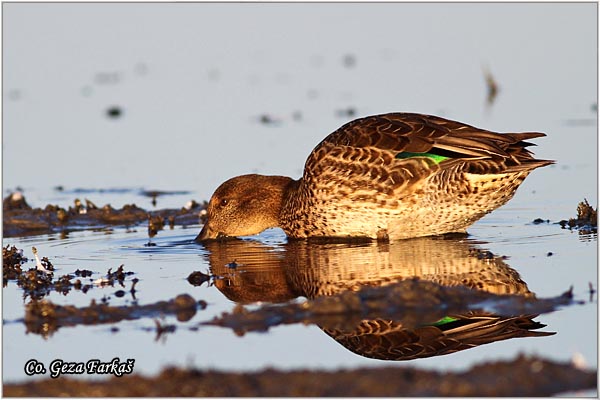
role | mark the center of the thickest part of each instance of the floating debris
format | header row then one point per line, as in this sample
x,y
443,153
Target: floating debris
x,y
345,112
35,284
83,272
349,60
79,208
538,221
114,112
586,213
267,119
155,223
119,275
197,278
101,282
492,87
162,330
132,290
154,194
12,260
586,221
48,268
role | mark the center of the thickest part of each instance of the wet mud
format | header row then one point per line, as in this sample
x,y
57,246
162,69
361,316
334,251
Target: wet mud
x,y
523,376
20,219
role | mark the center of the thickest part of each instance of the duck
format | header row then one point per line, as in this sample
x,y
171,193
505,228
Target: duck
x,y
385,339
384,177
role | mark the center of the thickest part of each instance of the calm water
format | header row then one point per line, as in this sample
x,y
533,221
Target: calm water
x,y
192,81
163,270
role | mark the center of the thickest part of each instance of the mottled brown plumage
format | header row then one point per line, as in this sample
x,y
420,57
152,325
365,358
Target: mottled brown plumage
x,y
390,176
390,340
315,270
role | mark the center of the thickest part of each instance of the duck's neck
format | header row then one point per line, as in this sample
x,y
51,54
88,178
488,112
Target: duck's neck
x,y
291,203
275,192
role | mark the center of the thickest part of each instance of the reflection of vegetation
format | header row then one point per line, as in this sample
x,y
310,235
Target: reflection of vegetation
x,y
396,301
44,317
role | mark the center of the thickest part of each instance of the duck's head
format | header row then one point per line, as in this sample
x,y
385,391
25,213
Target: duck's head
x,y
244,205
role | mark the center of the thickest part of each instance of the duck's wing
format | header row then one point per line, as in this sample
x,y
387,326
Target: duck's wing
x,y
415,145
417,133
389,340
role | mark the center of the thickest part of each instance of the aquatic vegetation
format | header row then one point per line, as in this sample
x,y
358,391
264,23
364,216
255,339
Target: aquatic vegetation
x,y
586,221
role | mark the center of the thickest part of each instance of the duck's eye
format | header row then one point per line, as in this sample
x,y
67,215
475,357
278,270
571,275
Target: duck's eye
x,y
224,202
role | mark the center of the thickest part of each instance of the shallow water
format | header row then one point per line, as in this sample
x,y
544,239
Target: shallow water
x,y
263,272
192,120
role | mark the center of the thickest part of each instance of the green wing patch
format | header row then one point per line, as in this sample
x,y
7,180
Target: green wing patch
x,y
435,157
444,321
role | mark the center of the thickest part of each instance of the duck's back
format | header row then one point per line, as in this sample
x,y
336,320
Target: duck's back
x,y
404,175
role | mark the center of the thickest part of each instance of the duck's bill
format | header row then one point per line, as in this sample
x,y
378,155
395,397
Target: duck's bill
x,y
208,234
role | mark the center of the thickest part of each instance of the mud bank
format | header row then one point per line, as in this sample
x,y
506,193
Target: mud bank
x,y
523,376
20,219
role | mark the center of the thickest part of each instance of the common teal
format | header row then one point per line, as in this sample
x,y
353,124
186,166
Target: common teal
x,y
390,176
385,339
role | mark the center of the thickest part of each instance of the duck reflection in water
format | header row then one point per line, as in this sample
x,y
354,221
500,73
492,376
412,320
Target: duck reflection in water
x,y
305,268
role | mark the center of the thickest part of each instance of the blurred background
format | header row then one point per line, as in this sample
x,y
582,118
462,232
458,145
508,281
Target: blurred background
x,y
183,96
